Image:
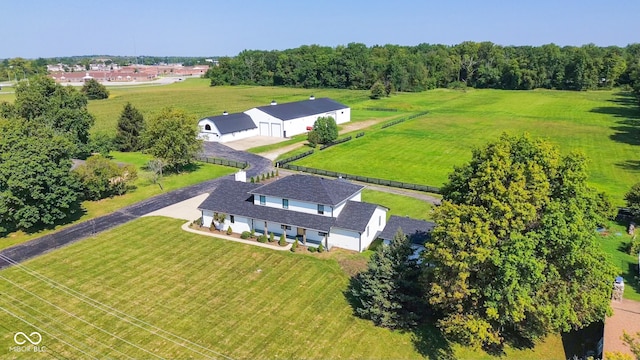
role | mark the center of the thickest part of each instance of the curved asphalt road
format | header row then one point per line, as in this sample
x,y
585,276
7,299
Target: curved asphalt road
x,y
89,228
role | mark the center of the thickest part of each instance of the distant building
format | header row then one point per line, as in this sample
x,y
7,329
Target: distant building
x,y
277,120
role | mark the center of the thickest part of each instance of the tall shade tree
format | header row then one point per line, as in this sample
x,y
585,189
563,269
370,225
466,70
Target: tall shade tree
x,y
62,108
171,136
514,252
130,129
36,185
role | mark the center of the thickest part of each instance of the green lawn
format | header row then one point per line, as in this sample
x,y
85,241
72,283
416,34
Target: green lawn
x,y
399,205
601,124
148,288
144,189
199,99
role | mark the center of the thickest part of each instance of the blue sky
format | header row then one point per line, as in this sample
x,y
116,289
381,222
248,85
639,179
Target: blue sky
x,y
33,28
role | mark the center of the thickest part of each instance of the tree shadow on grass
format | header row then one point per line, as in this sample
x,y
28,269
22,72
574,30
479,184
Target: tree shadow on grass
x,y
626,108
428,340
426,337
629,165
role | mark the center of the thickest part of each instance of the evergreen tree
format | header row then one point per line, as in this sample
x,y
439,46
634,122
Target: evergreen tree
x,y
388,292
94,90
130,129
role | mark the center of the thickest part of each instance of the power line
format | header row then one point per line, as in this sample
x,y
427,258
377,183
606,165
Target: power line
x,y
77,317
39,329
61,323
114,312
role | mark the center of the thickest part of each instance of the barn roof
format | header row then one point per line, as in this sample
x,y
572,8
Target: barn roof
x,y
231,123
298,109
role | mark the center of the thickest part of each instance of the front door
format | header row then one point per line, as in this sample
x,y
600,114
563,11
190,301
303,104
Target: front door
x,y
303,233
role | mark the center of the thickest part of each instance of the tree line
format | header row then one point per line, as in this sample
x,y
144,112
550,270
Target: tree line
x,y
428,66
48,125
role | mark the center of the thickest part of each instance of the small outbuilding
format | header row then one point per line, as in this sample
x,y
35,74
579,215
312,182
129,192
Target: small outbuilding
x,y
418,232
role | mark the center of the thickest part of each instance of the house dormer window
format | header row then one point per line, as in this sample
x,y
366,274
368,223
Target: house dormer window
x,y
285,203
320,209
207,127
263,200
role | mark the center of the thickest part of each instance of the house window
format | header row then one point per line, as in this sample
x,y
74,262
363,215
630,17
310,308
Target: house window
x,y
285,203
207,127
232,219
320,209
263,200
322,233
285,227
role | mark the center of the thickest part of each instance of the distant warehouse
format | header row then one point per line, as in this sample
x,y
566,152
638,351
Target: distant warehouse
x,y
277,120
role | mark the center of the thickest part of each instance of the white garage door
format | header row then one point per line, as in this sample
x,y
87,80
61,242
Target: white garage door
x,y
275,130
264,129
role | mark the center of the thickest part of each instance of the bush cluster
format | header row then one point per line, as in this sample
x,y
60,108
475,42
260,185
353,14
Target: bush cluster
x,y
262,238
245,235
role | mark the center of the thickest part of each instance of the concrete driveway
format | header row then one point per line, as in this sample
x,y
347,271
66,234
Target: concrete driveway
x,y
254,141
185,210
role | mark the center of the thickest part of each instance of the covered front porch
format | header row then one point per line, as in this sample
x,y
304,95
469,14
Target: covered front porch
x,y
305,236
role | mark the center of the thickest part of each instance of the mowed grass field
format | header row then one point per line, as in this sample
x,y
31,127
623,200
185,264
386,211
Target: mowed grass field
x,y
148,289
604,125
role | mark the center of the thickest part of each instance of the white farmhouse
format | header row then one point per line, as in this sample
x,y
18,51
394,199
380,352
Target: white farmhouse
x,y
312,209
277,120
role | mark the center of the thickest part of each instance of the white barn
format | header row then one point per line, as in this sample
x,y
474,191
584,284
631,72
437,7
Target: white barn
x,y
277,120
227,127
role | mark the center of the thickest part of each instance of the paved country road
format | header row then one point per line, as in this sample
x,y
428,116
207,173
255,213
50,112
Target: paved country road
x,y
89,228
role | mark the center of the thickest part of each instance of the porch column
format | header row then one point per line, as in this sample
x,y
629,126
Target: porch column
x,y
304,236
266,231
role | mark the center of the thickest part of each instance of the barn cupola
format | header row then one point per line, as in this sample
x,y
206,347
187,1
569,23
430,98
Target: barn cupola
x,y
273,102
312,97
225,112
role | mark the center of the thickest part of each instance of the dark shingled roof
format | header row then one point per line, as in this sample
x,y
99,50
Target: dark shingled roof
x,y
233,197
310,188
355,216
302,108
418,231
228,124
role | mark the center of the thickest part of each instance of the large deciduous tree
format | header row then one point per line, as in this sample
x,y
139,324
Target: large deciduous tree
x,y
388,292
514,252
130,129
325,130
62,108
36,185
171,135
